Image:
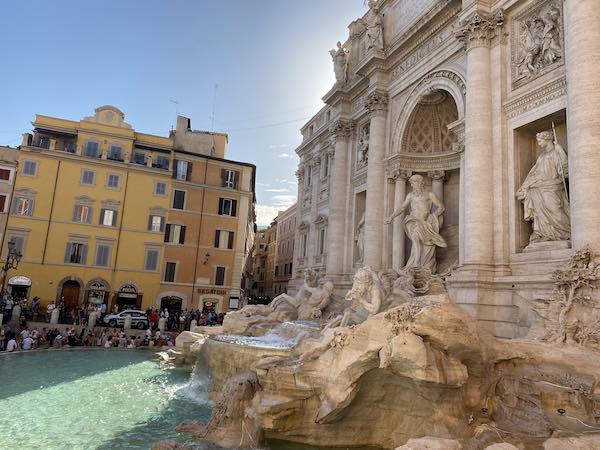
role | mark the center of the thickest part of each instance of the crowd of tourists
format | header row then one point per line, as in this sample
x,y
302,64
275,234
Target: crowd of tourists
x,y
34,339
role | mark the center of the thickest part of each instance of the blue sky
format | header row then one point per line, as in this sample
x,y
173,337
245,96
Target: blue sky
x,y
269,59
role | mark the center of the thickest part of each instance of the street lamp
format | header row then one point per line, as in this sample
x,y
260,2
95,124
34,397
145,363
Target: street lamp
x,y
12,261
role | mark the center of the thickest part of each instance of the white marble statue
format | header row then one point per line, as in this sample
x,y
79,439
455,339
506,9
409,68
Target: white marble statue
x,y
544,192
367,296
374,27
422,226
360,238
340,63
363,145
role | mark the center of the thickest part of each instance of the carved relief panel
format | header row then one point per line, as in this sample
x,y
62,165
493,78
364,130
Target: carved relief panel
x,y
537,42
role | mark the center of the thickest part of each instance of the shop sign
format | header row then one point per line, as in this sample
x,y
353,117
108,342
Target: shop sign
x,y
212,291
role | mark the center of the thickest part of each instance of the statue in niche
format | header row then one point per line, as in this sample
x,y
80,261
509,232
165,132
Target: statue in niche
x,y
363,145
374,26
541,43
340,63
544,192
360,238
422,226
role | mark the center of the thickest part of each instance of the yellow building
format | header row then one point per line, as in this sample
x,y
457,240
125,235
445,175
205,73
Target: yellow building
x,y
207,236
105,214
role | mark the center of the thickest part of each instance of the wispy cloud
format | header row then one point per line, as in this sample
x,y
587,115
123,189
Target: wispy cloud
x,y
285,155
283,201
277,146
265,214
277,190
263,184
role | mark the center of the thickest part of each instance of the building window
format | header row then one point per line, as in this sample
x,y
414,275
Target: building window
x,y
19,243
326,164
220,276
139,158
183,170
227,207
178,199
309,176
29,168
229,178
2,203
160,188
170,272
88,177
321,241
115,153
92,149
224,239
113,181
76,253
304,246
161,162
175,234
102,255
82,214
156,223
5,174
108,217
151,259
22,206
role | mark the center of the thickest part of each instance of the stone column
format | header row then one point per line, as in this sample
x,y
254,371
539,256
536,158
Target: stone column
x,y
398,238
437,183
315,165
582,51
477,31
376,105
341,131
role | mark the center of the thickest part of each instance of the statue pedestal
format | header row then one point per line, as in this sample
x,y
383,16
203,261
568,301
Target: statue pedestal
x,y
54,315
547,246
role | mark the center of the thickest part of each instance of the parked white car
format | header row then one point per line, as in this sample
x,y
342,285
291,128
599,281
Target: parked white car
x,y
139,319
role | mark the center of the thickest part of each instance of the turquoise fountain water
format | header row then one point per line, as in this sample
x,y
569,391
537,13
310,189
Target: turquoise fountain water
x,y
97,399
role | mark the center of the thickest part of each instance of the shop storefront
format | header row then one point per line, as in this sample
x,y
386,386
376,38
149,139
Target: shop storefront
x,y
128,297
19,286
171,303
97,293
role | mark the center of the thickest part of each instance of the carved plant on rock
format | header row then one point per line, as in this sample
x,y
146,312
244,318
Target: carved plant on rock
x,y
581,272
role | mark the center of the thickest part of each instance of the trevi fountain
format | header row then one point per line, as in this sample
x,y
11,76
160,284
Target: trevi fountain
x,y
446,263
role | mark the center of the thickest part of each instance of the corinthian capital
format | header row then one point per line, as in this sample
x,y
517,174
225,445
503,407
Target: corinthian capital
x,y
376,102
341,129
479,29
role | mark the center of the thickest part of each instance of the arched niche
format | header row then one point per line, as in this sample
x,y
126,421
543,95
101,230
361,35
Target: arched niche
x,y
429,139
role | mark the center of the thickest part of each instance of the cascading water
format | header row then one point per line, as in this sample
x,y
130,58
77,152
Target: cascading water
x,y
284,337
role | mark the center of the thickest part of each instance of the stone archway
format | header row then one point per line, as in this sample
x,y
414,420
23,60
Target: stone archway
x,y
428,140
75,296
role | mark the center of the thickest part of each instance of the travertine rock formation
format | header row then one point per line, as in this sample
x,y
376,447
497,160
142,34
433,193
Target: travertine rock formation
x,y
424,368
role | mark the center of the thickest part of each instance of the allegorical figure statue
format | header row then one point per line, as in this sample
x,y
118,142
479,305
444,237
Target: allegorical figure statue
x,y
421,225
374,27
340,63
360,238
544,192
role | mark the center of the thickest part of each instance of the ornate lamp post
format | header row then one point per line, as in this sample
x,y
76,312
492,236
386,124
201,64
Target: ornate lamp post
x,y
12,261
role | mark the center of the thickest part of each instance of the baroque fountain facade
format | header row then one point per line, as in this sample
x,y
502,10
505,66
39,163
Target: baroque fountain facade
x,y
446,257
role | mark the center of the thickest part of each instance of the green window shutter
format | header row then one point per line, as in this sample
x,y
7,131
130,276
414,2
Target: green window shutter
x,y
233,208
68,253
84,249
182,235
217,238
230,241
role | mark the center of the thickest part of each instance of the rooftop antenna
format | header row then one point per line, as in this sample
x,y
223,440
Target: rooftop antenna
x,y
212,117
